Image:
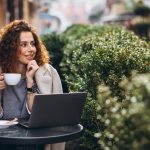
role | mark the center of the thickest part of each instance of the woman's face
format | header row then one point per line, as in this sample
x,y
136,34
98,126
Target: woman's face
x,y
27,49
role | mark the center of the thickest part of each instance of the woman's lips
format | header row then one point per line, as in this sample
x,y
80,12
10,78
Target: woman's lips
x,y
29,57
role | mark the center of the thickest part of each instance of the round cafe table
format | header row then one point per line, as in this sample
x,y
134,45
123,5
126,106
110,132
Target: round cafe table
x,y
18,135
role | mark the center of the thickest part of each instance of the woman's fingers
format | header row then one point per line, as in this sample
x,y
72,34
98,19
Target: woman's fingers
x,y
1,77
12,121
2,82
32,65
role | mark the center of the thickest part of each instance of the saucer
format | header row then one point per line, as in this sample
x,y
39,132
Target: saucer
x,y
6,123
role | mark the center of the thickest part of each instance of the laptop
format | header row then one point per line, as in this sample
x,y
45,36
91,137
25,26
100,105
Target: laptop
x,y
50,110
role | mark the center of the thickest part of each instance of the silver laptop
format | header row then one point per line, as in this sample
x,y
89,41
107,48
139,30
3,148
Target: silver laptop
x,y
51,110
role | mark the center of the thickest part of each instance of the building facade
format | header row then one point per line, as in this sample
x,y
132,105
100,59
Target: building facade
x,y
17,9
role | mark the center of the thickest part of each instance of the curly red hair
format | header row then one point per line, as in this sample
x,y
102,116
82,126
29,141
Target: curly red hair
x,y
9,43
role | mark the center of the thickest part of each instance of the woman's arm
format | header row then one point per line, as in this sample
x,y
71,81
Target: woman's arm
x,y
2,82
32,67
30,95
30,100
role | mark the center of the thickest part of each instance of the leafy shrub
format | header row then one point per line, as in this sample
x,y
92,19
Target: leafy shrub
x,y
126,124
102,55
54,45
75,31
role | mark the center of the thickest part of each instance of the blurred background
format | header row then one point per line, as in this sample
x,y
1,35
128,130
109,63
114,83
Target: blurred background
x,y
91,53
56,15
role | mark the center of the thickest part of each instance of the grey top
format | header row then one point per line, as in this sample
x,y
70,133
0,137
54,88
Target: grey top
x,y
14,97
14,100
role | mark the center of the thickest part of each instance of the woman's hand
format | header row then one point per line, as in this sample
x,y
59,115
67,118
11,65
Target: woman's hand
x,y
32,67
2,82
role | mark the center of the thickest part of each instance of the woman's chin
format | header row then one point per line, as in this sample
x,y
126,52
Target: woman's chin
x,y
27,61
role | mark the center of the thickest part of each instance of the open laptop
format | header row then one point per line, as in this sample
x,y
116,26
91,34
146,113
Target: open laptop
x,y
51,110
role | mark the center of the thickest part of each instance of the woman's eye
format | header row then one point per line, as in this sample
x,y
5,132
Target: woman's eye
x,y
33,44
23,44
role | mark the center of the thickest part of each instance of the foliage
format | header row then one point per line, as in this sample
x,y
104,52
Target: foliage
x,y
54,45
106,56
126,124
74,31
101,55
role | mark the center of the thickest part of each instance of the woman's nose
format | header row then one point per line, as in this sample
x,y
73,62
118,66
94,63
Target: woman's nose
x,y
30,47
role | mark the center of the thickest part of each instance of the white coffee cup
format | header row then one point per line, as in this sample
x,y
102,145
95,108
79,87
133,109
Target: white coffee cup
x,y
12,78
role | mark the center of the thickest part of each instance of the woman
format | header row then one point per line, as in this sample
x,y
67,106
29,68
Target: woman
x,y
21,51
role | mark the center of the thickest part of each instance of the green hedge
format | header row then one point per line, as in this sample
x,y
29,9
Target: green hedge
x,y
96,59
126,123
101,55
54,45
104,56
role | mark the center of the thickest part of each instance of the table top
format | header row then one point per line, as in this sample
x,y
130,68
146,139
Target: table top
x,y
19,135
